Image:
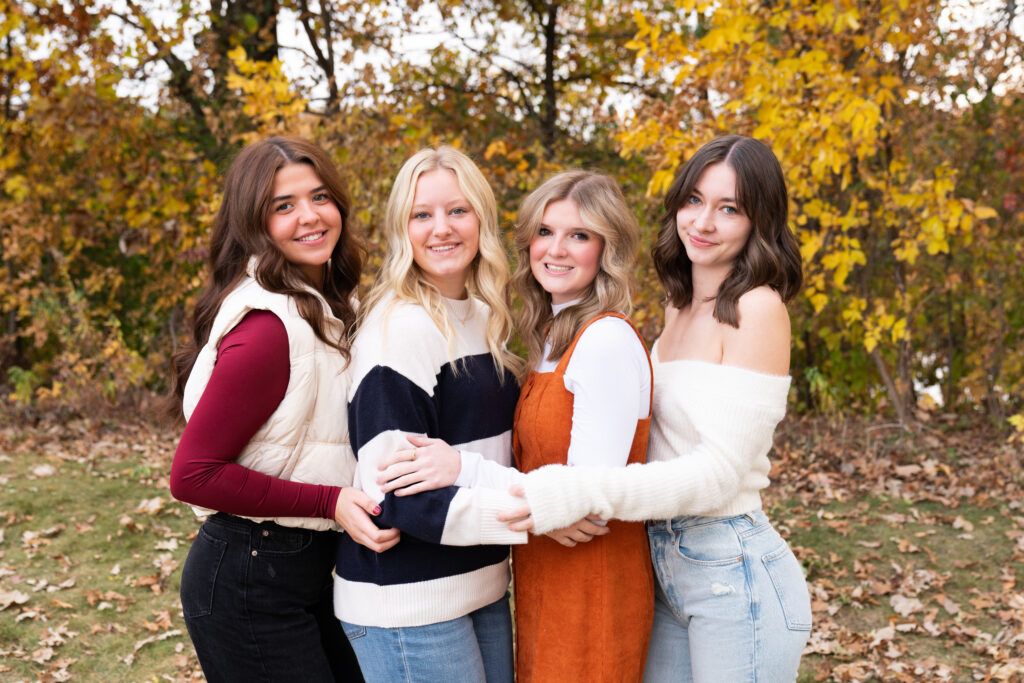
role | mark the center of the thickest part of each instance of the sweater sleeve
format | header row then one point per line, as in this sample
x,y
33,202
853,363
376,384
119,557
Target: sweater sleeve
x,y
734,430
394,396
248,383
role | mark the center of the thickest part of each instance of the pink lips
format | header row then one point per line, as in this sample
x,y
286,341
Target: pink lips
x,y
302,240
698,242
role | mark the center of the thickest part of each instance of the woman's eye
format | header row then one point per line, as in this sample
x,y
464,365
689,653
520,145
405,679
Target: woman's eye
x,y
693,199
729,210
282,207
581,236
420,215
321,197
459,211
543,232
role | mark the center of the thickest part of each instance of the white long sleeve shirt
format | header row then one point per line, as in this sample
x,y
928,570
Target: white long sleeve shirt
x,y
609,377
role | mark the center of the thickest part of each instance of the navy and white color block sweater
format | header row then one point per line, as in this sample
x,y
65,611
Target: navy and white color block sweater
x,y
407,379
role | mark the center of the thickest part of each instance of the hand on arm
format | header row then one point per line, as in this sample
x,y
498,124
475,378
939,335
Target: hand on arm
x,y
518,518
583,531
430,464
352,514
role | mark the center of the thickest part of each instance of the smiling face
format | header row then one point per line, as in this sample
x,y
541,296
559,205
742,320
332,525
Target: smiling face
x,y
304,222
565,256
709,222
444,232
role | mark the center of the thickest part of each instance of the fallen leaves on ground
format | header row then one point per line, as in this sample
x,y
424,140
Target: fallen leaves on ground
x,y
843,476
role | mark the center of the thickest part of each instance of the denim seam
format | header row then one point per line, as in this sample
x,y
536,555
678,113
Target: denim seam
x,y
766,560
753,612
248,617
405,661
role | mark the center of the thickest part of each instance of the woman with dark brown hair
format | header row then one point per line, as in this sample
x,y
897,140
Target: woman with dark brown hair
x,y
731,601
265,456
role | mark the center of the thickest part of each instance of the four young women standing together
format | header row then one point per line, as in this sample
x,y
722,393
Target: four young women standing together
x,y
429,359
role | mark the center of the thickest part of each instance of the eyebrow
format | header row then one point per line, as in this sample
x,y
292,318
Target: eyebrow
x,y
726,200
579,228
289,196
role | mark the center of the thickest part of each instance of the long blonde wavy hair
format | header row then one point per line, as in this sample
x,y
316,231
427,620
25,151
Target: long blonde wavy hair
x,y
605,213
488,277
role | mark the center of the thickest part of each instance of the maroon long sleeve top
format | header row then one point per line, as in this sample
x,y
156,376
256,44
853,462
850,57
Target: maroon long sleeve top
x,y
248,383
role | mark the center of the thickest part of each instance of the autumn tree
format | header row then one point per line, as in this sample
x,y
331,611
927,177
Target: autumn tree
x,y
846,93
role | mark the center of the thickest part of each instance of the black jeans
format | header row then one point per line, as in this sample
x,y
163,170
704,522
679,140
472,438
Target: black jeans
x,y
258,603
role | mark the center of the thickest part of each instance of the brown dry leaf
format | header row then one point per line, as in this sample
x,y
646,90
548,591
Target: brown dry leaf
x,y
906,546
882,635
44,471
129,523
961,523
153,639
907,471
35,539
951,607
8,598
905,606
169,544
163,619
151,506
57,636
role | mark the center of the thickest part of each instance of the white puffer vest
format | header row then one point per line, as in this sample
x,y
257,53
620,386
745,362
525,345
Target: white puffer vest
x,y
306,438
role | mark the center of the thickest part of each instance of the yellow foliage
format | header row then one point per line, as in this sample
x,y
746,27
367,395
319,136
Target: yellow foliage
x,y
984,212
494,149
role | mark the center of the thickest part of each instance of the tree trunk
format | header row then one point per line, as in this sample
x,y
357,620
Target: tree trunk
x,y
549,114
897,399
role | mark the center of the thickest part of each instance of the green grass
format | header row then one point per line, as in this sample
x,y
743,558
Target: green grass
x,y
860,553
101,574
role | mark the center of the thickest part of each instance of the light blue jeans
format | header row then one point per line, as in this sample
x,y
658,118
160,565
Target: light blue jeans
x,y
474,648
731,602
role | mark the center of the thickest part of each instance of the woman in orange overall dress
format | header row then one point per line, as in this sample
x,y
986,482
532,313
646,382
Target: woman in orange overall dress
x,y
584,612
583,594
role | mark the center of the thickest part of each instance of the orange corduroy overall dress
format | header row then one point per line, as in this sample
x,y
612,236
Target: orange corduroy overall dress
x,y
582,613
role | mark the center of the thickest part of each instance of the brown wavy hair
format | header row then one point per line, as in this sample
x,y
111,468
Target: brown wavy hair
x,y
240,233
771,255
605,213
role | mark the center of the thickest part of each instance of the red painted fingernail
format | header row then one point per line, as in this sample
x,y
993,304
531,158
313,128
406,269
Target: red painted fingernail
x,y
376,510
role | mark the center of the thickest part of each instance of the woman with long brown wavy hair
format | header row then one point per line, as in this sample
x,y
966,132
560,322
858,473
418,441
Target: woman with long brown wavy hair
x,y
264,458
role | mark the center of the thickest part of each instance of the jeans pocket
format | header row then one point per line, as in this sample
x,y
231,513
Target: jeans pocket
x,y
283,541
790,586
199,576
714,544
353,631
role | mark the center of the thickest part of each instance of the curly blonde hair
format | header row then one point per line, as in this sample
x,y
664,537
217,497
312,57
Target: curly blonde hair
x,y
488,276
605,213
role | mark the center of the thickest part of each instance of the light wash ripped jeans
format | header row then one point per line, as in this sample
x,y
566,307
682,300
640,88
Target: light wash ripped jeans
x,y
731,602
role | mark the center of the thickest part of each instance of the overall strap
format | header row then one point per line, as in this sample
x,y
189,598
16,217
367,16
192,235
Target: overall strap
x,y
563,363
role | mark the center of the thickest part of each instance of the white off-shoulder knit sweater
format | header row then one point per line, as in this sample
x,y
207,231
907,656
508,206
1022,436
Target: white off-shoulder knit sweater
x,y
711,431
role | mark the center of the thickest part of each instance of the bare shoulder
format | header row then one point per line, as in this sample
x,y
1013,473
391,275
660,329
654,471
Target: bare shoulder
x,y
763,339
761,306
